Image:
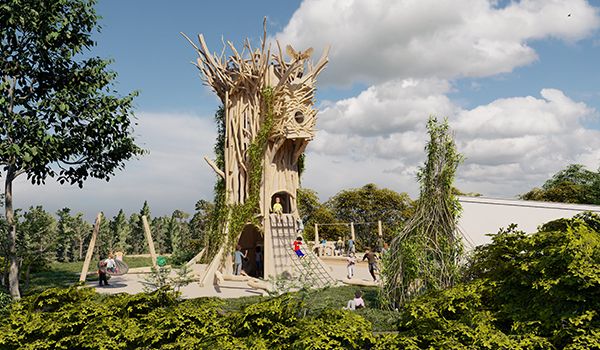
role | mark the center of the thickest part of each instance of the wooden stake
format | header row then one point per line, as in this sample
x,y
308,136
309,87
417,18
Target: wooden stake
x,y
150,241
352,234
90,250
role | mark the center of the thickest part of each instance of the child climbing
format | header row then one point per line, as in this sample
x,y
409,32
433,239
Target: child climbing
x,y
297,243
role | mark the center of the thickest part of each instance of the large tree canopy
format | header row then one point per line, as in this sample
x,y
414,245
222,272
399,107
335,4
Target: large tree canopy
x,y
574,184
369,204
59,113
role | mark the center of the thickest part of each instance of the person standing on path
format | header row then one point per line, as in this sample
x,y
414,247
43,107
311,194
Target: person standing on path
x,y
351,263
259,261
372,259
237,260
351,248
339,247
102,272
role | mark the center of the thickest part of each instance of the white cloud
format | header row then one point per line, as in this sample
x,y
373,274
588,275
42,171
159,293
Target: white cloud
x,y
389,107
378,40
173,176
510,144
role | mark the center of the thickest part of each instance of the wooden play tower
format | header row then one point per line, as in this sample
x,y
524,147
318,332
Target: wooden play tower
x,y
242,81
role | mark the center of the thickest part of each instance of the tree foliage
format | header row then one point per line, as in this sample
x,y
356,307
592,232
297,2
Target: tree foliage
x,y
314,212
536,291
369,204
425,254
574,184
60,117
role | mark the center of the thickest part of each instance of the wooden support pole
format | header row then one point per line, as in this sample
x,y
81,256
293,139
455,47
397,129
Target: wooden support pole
x,y
90,250
352,234
150,241
317,243
379,230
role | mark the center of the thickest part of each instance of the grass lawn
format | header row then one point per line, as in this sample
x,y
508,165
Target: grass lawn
x,y
335,298
316,301
64,274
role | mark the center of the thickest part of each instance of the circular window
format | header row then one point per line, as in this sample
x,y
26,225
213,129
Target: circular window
x,y
299,117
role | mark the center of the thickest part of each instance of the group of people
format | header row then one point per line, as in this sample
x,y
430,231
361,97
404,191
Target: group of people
x,y
339,247
371,258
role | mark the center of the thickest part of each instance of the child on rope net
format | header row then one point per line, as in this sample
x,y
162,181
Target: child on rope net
x,y
356,303
297,243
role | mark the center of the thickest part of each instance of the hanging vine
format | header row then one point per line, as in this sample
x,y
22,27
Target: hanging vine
x,y
425,255
242,214
214,237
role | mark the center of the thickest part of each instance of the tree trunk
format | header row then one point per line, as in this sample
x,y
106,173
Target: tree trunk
x,y
13,275
80,249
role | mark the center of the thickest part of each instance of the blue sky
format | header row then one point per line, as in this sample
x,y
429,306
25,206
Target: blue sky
x,y
517,80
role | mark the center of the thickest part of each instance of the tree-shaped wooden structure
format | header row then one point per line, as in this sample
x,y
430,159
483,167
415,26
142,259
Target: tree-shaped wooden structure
x,y
269,119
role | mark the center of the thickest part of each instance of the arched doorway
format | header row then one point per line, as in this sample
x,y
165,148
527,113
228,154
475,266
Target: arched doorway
x,y
251,240
286,201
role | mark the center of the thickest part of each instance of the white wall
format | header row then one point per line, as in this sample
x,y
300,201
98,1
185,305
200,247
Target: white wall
x,y
482,216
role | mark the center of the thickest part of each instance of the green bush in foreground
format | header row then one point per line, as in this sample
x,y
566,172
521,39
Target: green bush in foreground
x,y
538,291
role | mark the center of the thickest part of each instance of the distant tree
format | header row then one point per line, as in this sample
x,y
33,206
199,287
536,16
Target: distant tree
x,y
120,230
458,192
180,236
370,204
160,234
59,115
574,184
65,235
308,203
137,239
37,238
135,222
312,212
105,240
200,223
72,237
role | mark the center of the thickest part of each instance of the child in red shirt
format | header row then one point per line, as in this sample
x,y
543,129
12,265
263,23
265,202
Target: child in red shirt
x,y
297,243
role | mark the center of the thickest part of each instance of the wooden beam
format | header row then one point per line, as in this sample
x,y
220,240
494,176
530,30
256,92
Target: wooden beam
x,y
90,250
148,234
196,258
214,167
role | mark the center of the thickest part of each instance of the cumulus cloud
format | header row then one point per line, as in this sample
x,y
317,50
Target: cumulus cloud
x,y
510,144
172,176
376,41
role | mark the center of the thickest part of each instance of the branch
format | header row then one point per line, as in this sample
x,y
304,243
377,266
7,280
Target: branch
x,y
214,167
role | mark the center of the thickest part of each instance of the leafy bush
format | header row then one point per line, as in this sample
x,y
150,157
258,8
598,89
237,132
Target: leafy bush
x,y
538,291
525,291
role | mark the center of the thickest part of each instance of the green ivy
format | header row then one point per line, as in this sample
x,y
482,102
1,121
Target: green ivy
x,y
237,216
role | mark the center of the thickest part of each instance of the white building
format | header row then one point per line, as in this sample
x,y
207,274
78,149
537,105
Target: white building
x,y
481,216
